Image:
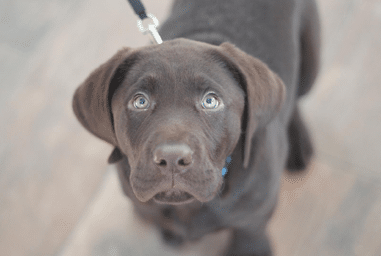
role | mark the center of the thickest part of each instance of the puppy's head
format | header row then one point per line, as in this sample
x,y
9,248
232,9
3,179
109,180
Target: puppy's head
x,y
175,111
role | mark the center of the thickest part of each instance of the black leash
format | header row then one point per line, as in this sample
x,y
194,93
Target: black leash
x,y
138,8
151,30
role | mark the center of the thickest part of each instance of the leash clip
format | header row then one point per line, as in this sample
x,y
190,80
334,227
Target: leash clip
x,y
151,30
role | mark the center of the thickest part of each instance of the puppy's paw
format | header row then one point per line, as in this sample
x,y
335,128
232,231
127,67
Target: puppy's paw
x,y
247,243
300,144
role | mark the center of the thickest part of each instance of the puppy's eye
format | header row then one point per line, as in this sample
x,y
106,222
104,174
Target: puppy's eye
x,y
210,101
141,102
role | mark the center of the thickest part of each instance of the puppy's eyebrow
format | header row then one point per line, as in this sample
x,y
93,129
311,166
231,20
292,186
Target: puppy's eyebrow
x,y
204,82
147,83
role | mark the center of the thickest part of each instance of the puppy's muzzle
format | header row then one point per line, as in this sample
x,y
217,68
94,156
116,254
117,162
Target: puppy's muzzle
x,y
173,159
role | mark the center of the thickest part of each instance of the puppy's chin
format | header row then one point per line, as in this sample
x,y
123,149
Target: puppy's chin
x,y
173,197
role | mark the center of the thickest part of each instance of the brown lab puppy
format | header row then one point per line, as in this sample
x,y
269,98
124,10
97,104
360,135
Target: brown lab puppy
x,y
221,97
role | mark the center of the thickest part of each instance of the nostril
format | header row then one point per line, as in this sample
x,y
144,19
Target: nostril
x,y
160,161
163,163
183,162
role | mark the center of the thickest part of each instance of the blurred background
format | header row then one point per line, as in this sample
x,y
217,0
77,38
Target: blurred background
x,y
58,196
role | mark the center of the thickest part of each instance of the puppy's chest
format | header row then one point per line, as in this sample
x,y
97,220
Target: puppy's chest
x,y
180,215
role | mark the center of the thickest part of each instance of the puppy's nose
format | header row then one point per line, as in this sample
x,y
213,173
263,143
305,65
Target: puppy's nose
x,y
168,156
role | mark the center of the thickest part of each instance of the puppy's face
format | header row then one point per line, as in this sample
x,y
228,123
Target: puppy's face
x,y
177,116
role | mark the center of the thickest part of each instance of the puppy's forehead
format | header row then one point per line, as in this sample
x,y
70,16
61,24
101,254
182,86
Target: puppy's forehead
x,y
179,57
181,66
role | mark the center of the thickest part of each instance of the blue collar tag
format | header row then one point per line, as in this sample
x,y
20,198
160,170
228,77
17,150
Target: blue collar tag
x,y
225,169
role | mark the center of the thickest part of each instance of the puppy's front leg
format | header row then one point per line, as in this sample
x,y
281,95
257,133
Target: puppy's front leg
x,y
249,243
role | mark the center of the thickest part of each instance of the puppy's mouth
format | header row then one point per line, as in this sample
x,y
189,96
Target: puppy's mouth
x,y
173,196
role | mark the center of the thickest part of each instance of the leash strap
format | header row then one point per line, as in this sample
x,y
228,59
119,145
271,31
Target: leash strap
x,y
138,8
151,30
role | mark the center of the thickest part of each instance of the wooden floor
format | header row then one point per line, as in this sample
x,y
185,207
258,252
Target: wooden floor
x,y
58,196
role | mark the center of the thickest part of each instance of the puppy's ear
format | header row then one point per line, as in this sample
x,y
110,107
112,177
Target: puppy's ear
x,y
116,155
264,89
92,99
